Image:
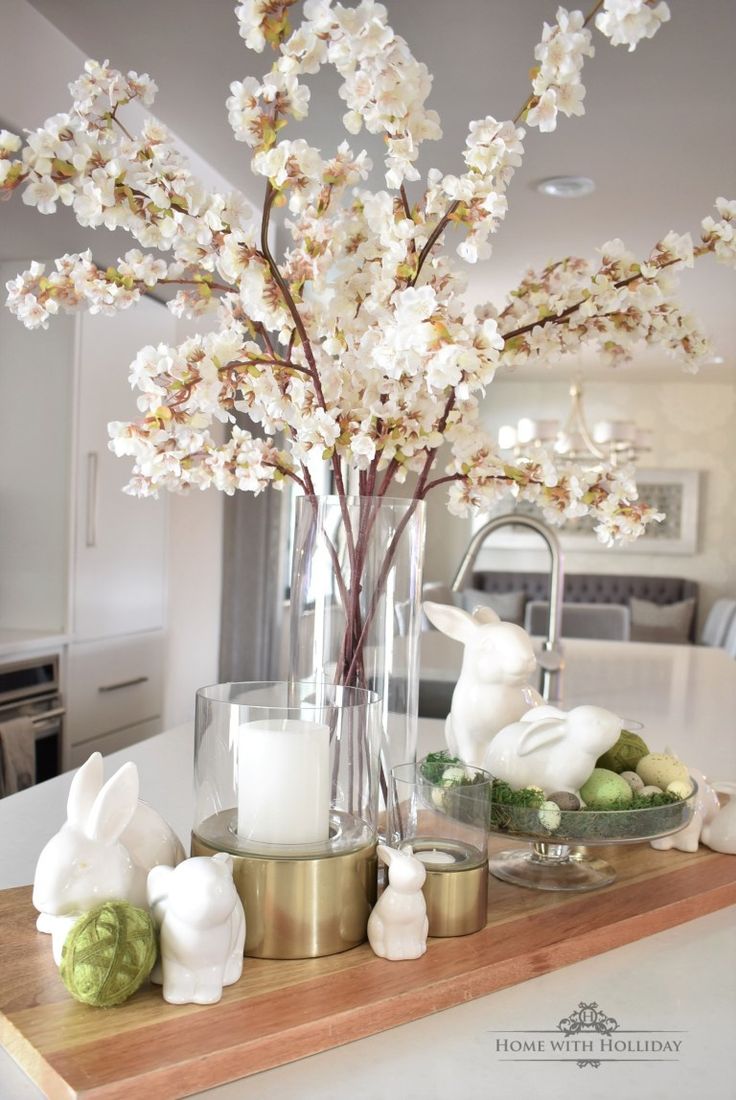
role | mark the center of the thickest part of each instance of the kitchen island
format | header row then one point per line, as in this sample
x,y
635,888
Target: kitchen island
x,y
672,994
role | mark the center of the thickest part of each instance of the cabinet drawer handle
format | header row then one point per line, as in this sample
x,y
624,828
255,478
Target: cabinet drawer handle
x,y
91,524
124,684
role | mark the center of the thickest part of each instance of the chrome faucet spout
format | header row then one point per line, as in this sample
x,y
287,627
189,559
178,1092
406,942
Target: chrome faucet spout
x,y
551,660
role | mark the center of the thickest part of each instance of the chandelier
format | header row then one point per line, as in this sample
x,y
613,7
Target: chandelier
x,y
610,443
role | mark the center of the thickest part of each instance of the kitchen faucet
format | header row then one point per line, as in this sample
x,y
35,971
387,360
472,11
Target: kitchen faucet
x,y
550,660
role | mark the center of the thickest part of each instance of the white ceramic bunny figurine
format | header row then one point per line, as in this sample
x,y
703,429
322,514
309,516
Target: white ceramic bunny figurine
x,y
398,925
706,808
720,832
492,690
202,926
552,749
103,851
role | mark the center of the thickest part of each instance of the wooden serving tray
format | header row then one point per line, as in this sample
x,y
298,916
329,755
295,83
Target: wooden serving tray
x,y
281,1011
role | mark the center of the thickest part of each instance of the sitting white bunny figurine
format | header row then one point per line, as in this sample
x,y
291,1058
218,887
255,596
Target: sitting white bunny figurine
x,y
552,749
720,832
202,926
103,851
492,690
398,925
706,808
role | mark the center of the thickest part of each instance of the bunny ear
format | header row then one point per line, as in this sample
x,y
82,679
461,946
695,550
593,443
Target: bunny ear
x,y
86,785
483,614
452,621
114,806
536,714
386,854
547,731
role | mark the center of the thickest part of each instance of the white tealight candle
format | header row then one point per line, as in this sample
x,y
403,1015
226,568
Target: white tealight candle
x,y
283,781
434,855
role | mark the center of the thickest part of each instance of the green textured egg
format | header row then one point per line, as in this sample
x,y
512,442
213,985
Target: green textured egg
x,y
108,954
603,788
625,754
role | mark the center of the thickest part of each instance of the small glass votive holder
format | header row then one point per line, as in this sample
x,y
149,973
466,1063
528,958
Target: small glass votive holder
x,y
446,822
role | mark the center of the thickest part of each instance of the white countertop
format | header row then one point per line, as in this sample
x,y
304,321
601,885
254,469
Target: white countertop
x,y
16,642
676,986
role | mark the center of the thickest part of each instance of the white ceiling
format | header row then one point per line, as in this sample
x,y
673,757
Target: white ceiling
x,y
658,137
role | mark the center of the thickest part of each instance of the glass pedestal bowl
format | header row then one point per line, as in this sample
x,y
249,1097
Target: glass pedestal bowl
x,y
553,860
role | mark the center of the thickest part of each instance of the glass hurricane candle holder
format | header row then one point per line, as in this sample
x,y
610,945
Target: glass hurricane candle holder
x,y
286,781
445,820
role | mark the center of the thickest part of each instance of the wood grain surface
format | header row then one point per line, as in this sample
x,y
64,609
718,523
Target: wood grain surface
x,y
281,1011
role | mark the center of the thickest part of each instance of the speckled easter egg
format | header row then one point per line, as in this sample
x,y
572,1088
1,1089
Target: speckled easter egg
x,y
625,754
635,781
566,800
682,790
549,815
659,769
603,788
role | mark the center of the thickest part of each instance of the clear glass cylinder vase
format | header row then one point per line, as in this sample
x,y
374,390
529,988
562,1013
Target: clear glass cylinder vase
x,y
355,601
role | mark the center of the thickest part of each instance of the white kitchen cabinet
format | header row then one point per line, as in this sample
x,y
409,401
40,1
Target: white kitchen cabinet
x,y
77,555
113,683
111,742
118,583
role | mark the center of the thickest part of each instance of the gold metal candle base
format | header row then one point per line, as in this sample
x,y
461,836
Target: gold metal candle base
x,y
303,908
457,901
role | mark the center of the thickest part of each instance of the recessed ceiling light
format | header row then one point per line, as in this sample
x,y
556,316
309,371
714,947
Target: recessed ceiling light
x,y
566,187
715,360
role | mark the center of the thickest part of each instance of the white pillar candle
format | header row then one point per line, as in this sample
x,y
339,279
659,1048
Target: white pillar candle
x,y
434,855
283,781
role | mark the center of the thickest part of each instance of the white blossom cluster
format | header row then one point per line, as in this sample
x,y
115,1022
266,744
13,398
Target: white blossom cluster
x,y
357,346
613,307
557,85
626,22
611,495
384,87
721,235
87,160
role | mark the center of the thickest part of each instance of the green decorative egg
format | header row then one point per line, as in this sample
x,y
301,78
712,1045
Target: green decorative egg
x,y
603,788
108,954
625,754
659,769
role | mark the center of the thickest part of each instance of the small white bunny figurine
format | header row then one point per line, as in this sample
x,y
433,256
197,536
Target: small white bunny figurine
x,y
552,749
103,851
492,690
706,808
202,926
398,925
720,832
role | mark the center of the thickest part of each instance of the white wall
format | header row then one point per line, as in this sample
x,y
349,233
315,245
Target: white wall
x,y
694,425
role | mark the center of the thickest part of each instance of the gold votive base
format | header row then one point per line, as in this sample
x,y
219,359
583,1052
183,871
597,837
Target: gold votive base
x,y
306,907
456,893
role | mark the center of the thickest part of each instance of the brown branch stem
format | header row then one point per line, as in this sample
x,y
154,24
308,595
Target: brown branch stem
x,y
561,318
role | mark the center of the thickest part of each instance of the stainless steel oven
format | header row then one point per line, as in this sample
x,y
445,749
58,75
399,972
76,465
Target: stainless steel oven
x,y
30,688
